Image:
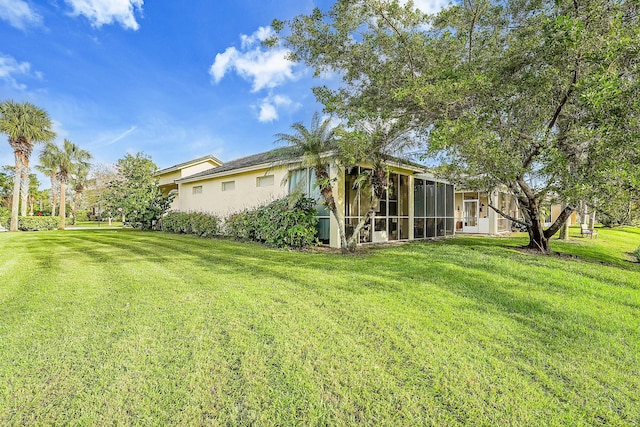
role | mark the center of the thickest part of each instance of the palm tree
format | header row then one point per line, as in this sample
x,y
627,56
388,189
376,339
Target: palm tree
x,y
67,160
25,124
312,146
79,182
49,166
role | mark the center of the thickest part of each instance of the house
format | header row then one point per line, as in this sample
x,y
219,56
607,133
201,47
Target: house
x,y
473,214
167,177
416,204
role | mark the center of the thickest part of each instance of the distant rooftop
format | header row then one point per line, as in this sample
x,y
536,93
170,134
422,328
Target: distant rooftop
x,y
267,157
189,163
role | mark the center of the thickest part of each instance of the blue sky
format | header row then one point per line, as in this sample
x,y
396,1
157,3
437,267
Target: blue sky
x,y
175,80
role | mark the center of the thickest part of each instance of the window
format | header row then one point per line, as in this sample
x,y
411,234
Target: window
x,y
433,210
304,181
197,189
265,181
228,186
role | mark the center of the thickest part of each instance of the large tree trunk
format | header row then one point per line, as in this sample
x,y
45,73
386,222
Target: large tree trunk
x,y
54,193
76,202
530,207
24,188
564,231
15,198
537,238
63,207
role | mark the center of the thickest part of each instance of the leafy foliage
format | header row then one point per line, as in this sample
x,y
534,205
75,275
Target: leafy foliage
x,y
287,222
540,98
25,124
636,254
200,224
6,184
134,193
33,223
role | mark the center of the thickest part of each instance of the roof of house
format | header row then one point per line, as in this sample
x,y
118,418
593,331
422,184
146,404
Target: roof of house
x,y
276,156
189,163
266,158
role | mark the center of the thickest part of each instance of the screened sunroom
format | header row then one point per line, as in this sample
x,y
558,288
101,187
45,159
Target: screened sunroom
x,y
413,207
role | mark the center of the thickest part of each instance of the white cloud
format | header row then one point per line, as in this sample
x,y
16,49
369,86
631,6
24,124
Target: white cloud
x,y
260,35
265,68
19,14
429,6
270,105
105,12
10,68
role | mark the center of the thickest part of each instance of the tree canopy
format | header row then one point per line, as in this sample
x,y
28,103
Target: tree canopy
x,y
25,124
541,98
134,193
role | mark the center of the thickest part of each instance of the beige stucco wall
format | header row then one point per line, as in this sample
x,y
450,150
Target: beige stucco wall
x,y
200,167
168,178
246,193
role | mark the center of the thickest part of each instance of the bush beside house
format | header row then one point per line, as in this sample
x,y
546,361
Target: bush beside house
x,y
287,222
197,223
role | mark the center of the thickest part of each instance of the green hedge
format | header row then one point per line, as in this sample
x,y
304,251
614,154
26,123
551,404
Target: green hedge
x,y
197,223
636,254
287,222
33,223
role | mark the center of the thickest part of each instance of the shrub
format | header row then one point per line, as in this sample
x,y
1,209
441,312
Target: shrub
x,y
241,225
636,254
33,223
5,215
198,223
287,222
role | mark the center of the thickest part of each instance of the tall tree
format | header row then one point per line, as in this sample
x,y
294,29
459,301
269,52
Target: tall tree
x,y
372,142
68,158
313,145
79,182
135,193
26,125
538,97
49,166
98,188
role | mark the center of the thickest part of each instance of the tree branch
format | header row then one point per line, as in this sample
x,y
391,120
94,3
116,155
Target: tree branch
x,y
395,30
564,215
516,220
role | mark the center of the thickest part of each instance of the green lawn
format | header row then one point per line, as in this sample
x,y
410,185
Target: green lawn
x,y
97,224
118,327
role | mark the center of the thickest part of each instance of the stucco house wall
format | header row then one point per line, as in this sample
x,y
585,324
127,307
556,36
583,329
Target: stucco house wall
x,y
217,196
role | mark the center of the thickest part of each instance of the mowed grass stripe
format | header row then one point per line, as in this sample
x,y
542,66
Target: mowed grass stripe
x,y
159,329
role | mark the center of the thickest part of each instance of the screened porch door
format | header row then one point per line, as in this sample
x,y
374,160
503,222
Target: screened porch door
x,y
470,216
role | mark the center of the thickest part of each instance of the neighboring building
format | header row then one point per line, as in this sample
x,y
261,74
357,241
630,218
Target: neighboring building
x,y
167,177
473,214
416,205
554,212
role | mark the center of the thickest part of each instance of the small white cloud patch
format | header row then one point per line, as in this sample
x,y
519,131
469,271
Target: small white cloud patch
x,y
429,6
105,12
19,14
270,105
265,68
10,68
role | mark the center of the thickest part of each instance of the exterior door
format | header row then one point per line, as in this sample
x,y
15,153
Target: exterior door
x,y
470,216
